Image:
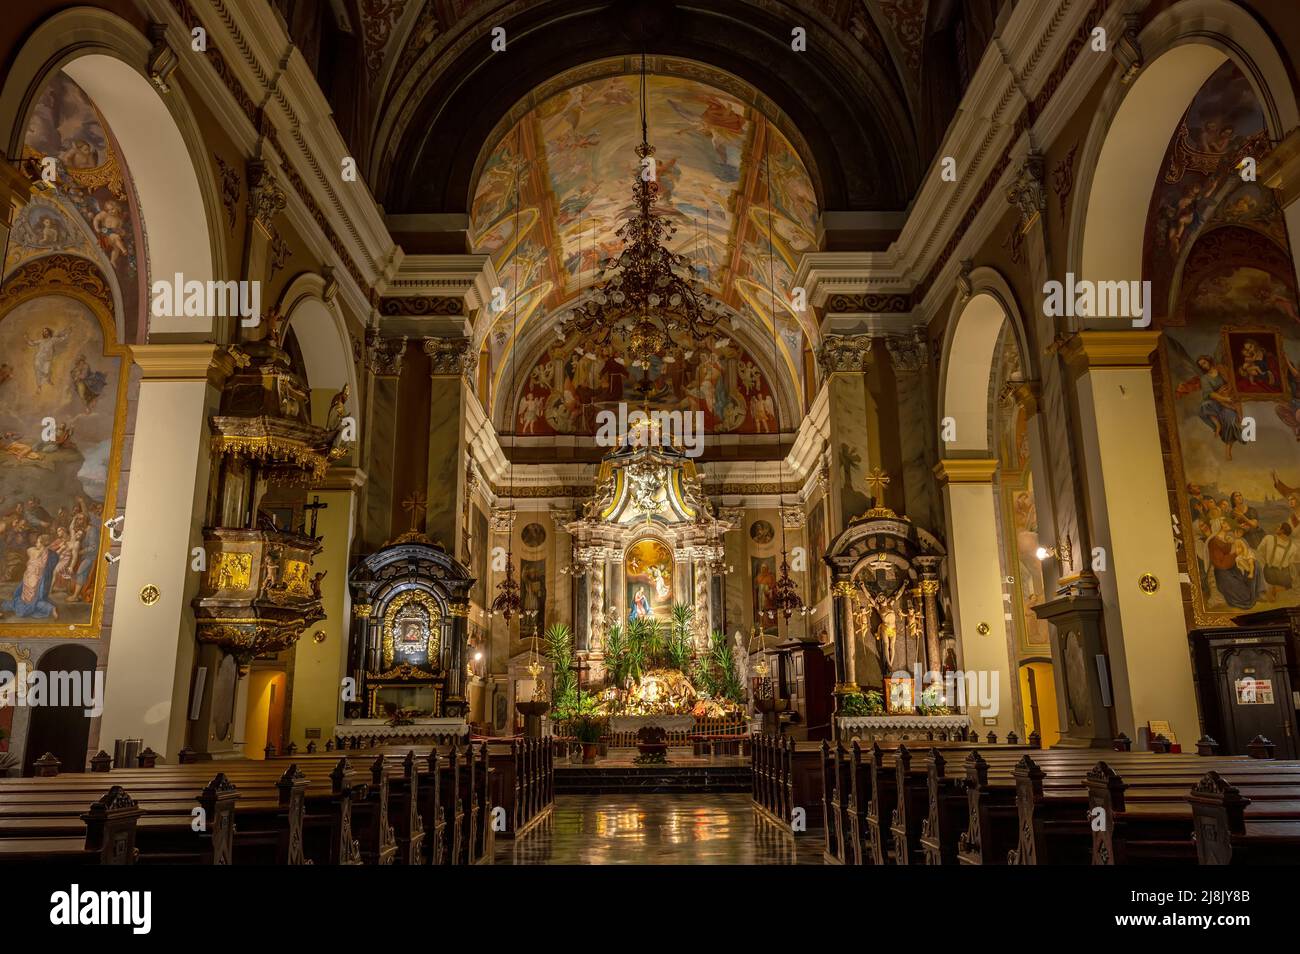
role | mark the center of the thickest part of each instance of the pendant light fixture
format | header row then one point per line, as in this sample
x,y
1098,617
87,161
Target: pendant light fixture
x,y
507,601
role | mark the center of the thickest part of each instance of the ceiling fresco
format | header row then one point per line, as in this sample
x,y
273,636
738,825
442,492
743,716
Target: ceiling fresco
x,y
571,161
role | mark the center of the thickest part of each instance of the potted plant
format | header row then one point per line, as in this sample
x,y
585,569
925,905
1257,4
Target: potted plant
x,y
587,729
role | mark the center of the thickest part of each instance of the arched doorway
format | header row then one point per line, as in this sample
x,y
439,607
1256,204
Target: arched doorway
x,y
63,729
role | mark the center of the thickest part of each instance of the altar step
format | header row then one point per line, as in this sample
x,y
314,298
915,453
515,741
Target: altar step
x,y
651,779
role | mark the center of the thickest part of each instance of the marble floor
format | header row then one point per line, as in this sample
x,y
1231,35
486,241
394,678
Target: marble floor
x,y
658,830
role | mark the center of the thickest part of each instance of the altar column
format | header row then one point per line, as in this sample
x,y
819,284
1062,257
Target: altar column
x,y
457,703
842,630
596,602
700,570
930,603
969,504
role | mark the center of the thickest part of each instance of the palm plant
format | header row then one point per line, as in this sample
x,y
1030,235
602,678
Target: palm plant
x,y
617,658
716,672
636,649
559,649
678,650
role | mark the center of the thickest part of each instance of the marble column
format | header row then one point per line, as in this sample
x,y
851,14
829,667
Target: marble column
x,y
930,603
457,701
842,628
854,424
969,505
1145,628
384,362
151,651
596,603
452,366
704,624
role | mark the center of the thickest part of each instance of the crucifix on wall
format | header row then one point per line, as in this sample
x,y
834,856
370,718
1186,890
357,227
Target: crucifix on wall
x,y
314,507
415,504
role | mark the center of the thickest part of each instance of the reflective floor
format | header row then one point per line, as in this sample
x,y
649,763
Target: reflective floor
x,y
658,830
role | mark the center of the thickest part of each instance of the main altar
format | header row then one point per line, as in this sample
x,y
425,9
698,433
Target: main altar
x,y
647,539
647,567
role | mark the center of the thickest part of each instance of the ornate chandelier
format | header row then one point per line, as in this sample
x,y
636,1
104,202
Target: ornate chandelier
x,y
785,593
507,602
646,301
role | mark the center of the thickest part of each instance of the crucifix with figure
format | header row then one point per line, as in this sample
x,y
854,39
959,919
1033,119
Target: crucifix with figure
x,y
314,509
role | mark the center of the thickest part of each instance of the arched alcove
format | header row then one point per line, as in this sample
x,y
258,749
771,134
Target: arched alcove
x,y
63,729
157,135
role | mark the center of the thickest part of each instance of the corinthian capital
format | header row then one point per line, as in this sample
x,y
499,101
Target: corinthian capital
x,y
1028,192
844,353
451,356
384,355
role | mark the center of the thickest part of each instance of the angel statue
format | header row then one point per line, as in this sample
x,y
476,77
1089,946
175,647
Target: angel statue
x,y
889,610
338,408
1220,409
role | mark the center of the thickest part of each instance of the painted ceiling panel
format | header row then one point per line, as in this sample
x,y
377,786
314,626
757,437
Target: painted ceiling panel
x,y
571,161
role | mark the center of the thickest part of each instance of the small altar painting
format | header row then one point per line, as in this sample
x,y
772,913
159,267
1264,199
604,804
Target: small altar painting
x,y
532,589
899,698
649,575
410,634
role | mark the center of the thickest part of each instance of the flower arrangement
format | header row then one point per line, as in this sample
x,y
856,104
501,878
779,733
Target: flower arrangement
x,y
931,702
869,703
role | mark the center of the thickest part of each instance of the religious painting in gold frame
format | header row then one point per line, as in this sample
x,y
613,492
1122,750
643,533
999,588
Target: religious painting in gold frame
x,y
62,361
648,573
411,631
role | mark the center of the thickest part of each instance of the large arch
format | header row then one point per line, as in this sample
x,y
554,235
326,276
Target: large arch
x,y
322,335
158,135
63,729
1134,123
1120,438
966,368
977,326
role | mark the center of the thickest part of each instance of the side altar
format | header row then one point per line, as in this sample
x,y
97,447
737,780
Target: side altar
x,y
894,679
407,650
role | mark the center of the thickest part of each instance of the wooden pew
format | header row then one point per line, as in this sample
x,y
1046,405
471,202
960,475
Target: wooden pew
x,y
1153,820
267,804
109,837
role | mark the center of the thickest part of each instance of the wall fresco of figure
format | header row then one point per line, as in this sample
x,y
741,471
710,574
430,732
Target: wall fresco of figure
x,y
60,434
1229,357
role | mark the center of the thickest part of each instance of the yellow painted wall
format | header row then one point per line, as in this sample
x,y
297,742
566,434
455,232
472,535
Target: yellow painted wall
x,y
977,594
318,667
1049,726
